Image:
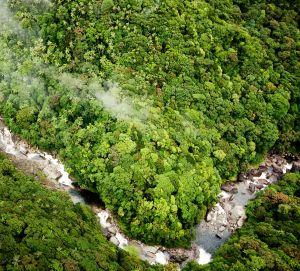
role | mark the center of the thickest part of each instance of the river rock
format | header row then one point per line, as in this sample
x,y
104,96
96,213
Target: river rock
x,y
20,155
238,211
268,162
230,188
277,169
52,173
36,157
106,233
178,255
150,255
296,166
195,253
42,162
112,230
259,186
262,168
219,236
114,240
263,181
23,149
208,217
242,177
252,187
221,229
273,178
255,172
149,249
240,222
280,160
221,220
269,174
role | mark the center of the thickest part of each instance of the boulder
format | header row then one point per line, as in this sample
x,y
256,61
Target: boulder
x,y
277,169
178,255
41,161
240,222
242,177
150,255
255,172
149,249
252,187
273,178
114,240
263,168
238,211
259,186
280,160
222,201
296,166
208,217
36,157
230,188
219,236
221,229
106,233
262,181
112,230
52,173
269,174
20,155
268,162
23,149
221,218
195,253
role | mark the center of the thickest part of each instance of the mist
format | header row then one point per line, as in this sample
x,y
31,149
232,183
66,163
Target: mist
x,y
7,22
120,105
110,95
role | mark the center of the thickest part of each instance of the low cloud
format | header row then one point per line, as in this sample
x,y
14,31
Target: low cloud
x,y
121,106
7,22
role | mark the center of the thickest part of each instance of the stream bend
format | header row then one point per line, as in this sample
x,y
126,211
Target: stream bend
x,y
221,221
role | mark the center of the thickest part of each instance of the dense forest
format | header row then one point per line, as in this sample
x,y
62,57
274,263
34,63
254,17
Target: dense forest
x,y
270,239
43,230
153,104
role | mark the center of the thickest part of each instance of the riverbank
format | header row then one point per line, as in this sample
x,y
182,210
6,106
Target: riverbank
x,y
228,214
220,222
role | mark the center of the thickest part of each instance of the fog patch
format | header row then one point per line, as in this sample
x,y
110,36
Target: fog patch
x,y
120,105
8,24
71,82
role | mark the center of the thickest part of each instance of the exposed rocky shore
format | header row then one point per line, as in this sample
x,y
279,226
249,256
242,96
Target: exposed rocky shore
x,y
220,222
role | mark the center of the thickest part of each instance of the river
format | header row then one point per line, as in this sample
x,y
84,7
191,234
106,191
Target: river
x,y
220,222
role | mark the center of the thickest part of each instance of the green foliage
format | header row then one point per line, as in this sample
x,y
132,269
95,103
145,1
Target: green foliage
x,y
206,88
43,230
25,117
106,5
269,240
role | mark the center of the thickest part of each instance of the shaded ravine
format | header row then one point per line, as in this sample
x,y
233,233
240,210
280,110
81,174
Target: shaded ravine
x,y
221,221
